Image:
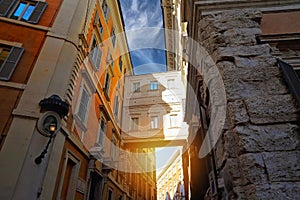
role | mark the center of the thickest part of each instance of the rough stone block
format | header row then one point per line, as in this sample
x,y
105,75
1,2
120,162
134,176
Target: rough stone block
x,y
281,137
237,112
226,148
271,109
242,36
255,62
252,168
282,166
280,191
222,53
231,174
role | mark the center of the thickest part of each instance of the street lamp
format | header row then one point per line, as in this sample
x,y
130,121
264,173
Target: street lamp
x,y
49,123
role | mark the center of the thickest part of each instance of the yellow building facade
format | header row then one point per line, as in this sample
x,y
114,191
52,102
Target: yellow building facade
x,y
61,131
170,179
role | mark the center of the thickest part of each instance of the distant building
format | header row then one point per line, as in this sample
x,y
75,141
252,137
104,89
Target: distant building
x,y
152,116
153,110
170,179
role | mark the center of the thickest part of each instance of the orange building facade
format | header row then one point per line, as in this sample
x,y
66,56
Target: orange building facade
x,y
55,53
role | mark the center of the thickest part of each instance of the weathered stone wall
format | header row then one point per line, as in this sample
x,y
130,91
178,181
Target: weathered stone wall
x,y
258,155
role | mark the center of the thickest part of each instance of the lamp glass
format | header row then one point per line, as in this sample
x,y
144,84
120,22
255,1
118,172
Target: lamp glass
x,y
52,127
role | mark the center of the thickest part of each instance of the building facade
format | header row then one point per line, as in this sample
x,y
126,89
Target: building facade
x,y
62,65
154,105
152,117
170,179
241,104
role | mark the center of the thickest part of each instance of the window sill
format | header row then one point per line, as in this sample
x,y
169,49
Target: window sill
x,y
13,21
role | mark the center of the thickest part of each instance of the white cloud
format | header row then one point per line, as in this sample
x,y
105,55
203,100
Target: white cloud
x,y
149,37
144,30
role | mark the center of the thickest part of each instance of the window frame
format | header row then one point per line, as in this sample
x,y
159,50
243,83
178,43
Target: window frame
x,y
105,10
83,88
116,107
8,8
153,86
134,126
107,83
154,123
136,86
96,59
173,120
101,134
113,37
13,57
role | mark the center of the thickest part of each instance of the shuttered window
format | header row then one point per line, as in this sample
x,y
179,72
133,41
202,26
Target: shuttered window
x,y
96,54
83,107
113,37
9,58
5,6
101,132
105,9
29,11
116,107
107,83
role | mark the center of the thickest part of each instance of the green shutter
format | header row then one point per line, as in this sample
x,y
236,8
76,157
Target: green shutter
x,y
10,63
5,6
37,13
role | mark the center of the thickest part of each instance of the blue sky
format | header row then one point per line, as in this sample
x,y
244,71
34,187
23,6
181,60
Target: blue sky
x,y
144,30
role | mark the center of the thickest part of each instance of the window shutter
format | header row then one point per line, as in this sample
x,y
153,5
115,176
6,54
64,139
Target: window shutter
x,y
99,55
37,13
83,105
5,6
10,63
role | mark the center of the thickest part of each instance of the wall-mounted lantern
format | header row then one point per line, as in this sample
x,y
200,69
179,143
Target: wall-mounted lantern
x,y
49,123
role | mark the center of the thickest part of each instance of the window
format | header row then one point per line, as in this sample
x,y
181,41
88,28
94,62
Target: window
x,y
173,121
134,123
96,54
170,83
83,106
101,132
153,85
154,122
120,64
110,194
97,23
116,107
105,10
29,11
9,58
107,83
136,87
113,37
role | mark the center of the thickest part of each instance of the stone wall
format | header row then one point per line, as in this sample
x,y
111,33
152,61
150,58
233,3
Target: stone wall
x,y
258,154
